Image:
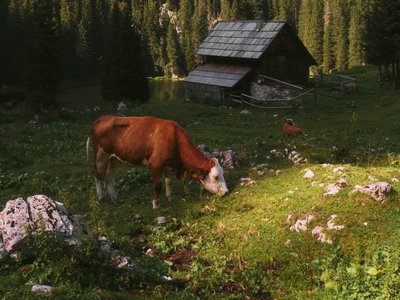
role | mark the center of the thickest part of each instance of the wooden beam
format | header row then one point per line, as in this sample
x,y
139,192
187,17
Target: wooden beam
x,y
283,82
265,100
302,94
342,76
258,106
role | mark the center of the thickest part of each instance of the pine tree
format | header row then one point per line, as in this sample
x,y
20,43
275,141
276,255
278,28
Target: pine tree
x,y
356,28
173,52
68,21
225,13
199,30
235,11
263,6
185,15
151,35
43,68
137,14
85,48
382,38
340,34
18,12
327,57
4,37
124,74
289,11
162,51
311,27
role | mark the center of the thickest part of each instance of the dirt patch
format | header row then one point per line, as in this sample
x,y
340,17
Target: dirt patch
x,y
182,258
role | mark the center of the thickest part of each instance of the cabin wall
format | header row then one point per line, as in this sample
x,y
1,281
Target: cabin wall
x,y
284,60
204,91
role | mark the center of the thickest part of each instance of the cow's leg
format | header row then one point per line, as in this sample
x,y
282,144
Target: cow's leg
x,y
99,189
168,173
101,167
168,190
111,166
156,173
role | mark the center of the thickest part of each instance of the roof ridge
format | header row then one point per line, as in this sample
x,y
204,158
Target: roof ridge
x,y
251,21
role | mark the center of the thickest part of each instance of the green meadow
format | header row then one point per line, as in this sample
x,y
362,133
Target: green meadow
x,y
236,247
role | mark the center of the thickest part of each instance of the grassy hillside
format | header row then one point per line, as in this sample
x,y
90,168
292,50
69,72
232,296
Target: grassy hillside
x,y
235,247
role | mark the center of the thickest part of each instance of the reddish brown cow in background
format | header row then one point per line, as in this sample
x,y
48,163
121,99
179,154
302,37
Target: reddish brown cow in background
x,y
160,144
289,129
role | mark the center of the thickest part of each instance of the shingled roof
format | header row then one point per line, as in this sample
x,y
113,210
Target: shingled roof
x,y
240,39
218,74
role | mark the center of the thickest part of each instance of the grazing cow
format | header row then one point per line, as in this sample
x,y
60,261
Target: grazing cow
x,y
160,144
289,129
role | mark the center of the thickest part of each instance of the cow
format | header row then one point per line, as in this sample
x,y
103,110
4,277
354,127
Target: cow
x,y
160,144
289,129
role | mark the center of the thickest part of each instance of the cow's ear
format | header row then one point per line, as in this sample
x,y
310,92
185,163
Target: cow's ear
x,y
213,162
199,175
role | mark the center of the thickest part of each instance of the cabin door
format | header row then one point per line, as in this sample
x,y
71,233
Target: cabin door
x,y
281,66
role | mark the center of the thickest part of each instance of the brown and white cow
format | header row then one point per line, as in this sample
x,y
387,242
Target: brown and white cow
x,y
160,144
289,129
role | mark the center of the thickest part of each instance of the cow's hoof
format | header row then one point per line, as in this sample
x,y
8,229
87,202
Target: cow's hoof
x,y
156,204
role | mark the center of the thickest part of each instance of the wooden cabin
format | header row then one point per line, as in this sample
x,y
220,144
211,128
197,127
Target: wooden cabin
x,y
235,52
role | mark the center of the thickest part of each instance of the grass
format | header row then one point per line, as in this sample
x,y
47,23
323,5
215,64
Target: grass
x,y
230,248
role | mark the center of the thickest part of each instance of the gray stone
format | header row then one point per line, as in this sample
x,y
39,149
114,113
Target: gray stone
x,y
378,190
228,159
15,223
38,214
42,289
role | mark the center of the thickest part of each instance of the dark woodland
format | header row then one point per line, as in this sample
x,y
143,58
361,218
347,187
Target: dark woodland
x,y
119,43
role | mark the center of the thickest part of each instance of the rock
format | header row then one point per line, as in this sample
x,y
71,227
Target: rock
x,y
301,224
3,252
49,215
122,109
341,183
321,236
264,91
296,158
276,153
372,178
204,148
245,113
161,220
378,190
308,174
42,214
39,213
42,289
14,222
339,170
325,165
246,181
228,158
331,226
124,262
331,189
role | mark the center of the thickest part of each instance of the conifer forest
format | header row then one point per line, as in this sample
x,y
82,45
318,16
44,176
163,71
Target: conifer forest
x,y
106,40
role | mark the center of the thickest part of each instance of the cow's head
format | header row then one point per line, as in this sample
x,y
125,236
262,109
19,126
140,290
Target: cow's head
x,y
214,181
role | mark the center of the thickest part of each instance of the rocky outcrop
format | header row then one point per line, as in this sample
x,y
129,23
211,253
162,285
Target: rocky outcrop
x,y
228,159
379,190
37,214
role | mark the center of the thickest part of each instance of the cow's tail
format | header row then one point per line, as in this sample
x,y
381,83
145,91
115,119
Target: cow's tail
x,y
92,165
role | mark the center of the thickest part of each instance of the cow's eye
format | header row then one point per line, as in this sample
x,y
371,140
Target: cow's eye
x,y
216,177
